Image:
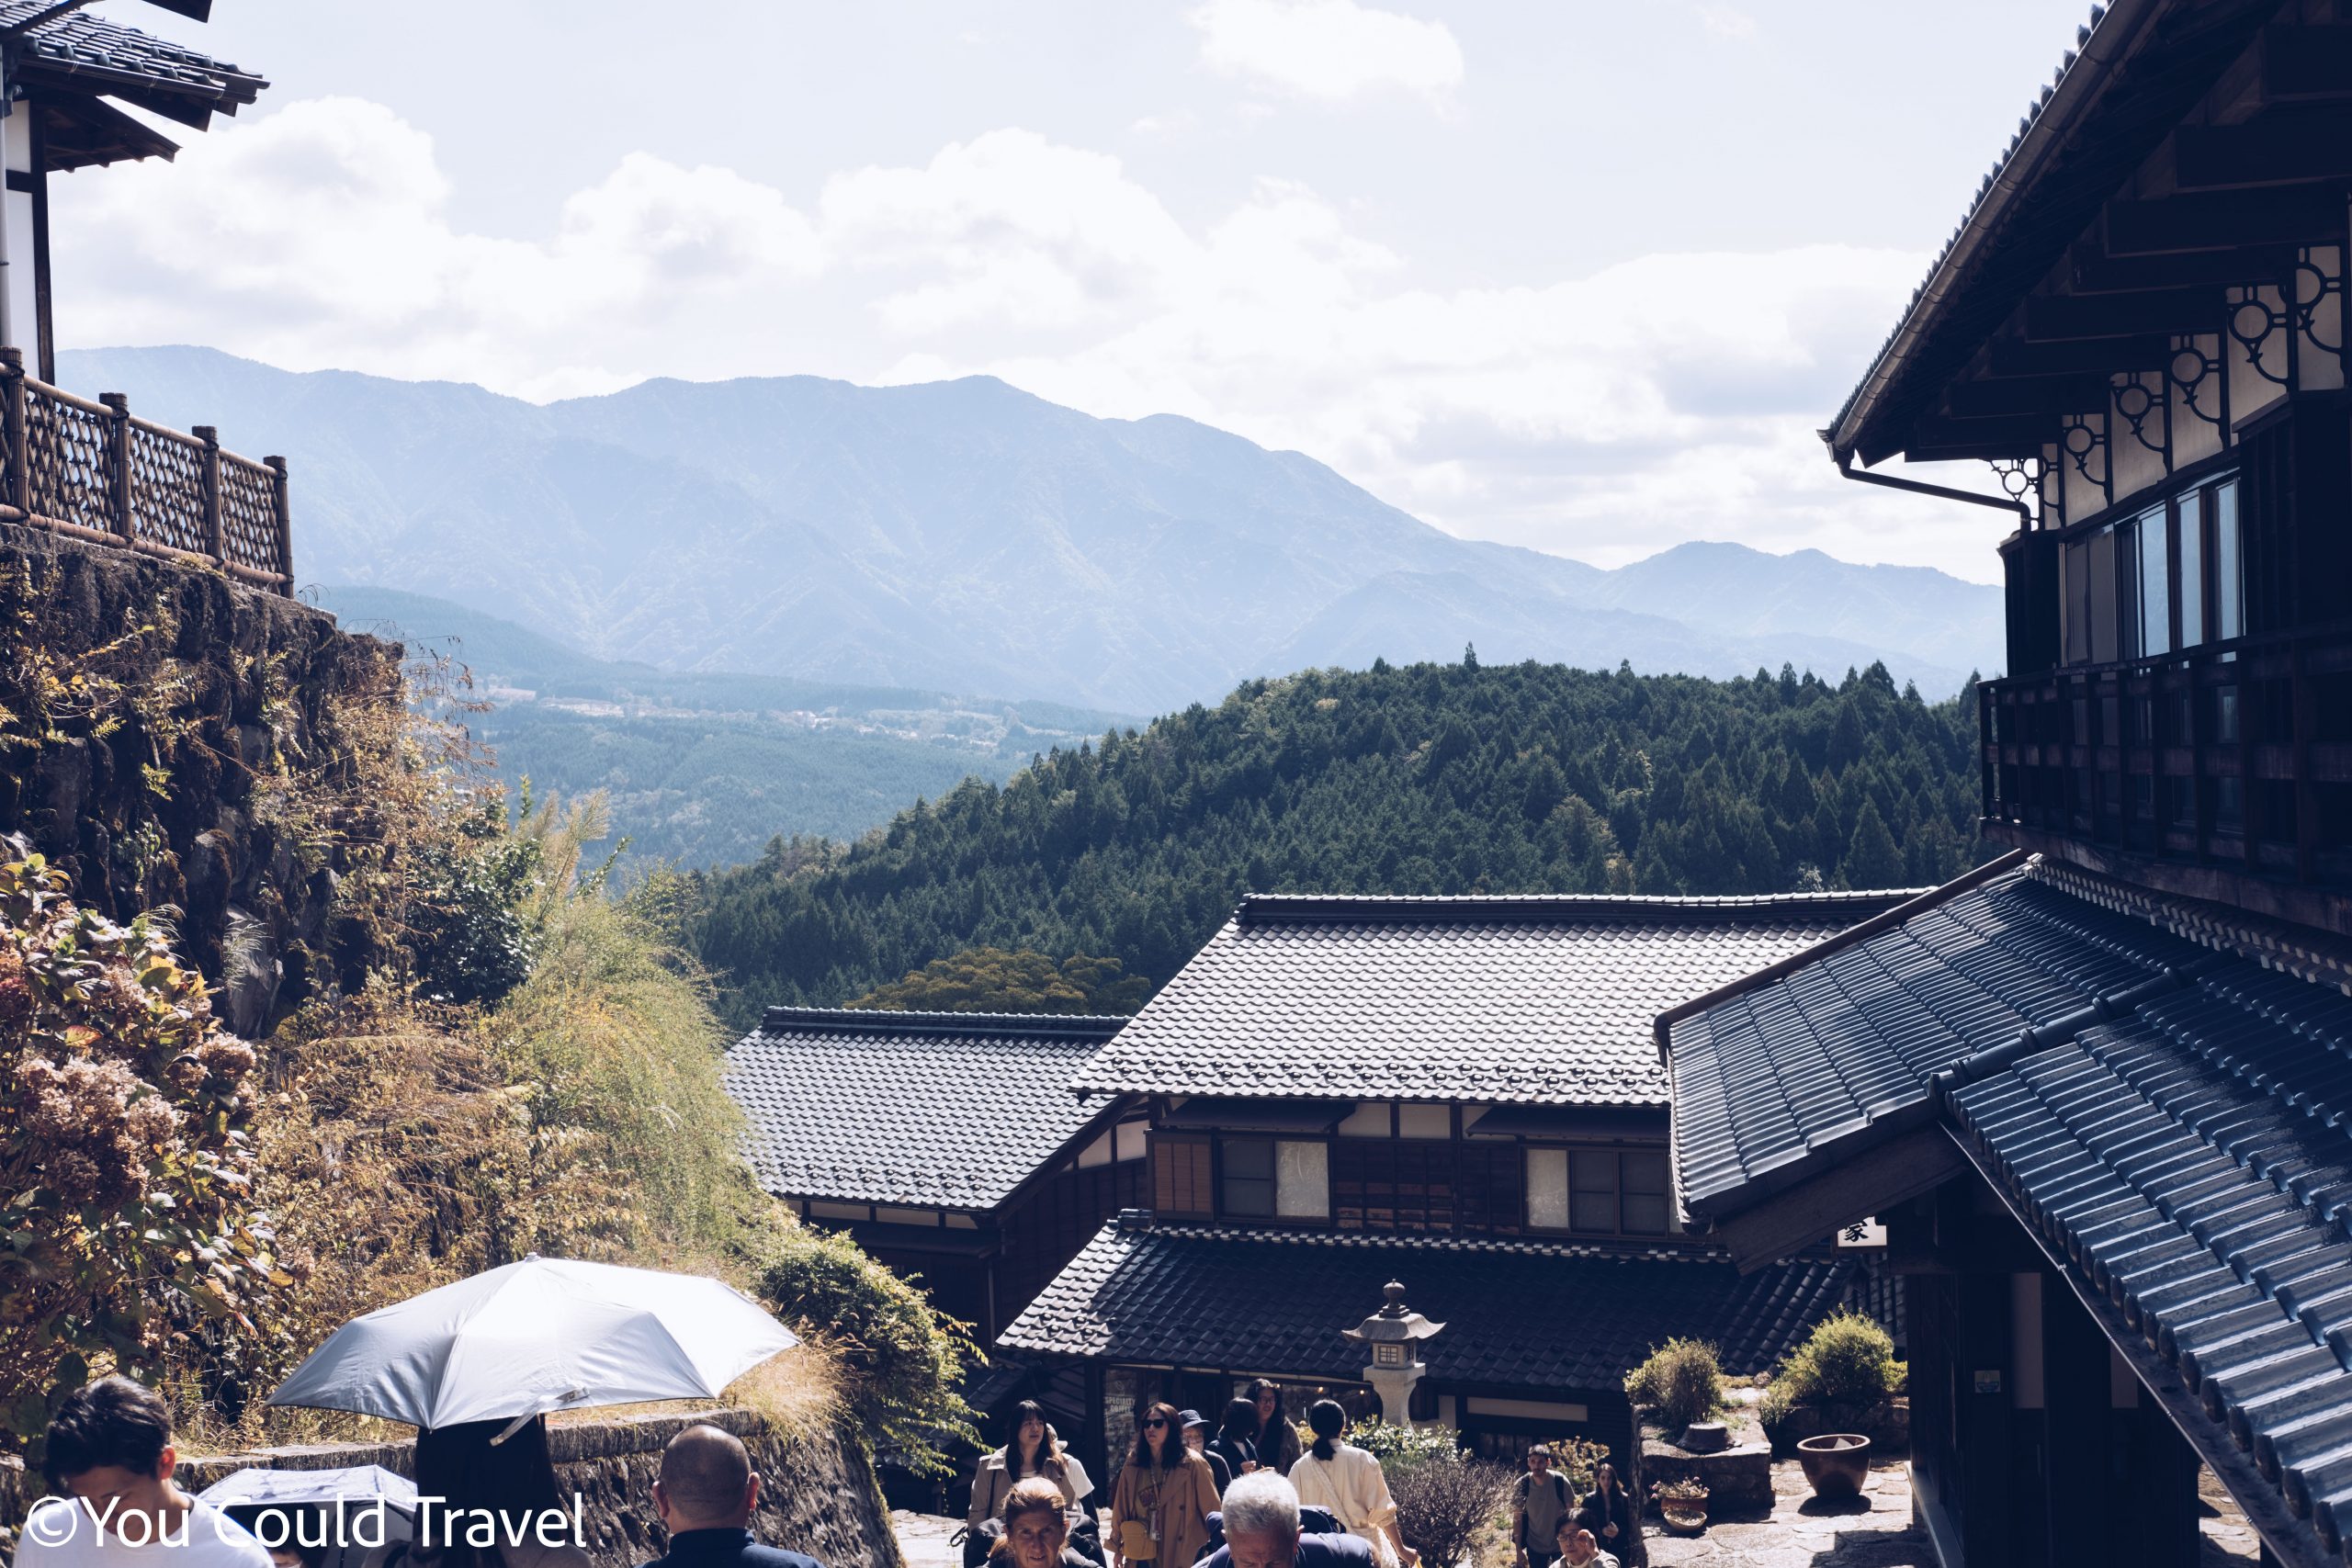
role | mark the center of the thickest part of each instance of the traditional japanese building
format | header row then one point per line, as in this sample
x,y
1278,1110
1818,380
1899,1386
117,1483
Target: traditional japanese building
x,y
2099,1092
948,1144
1457,1094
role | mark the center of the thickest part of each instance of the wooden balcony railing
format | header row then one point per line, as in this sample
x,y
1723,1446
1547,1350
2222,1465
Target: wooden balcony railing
x,y
93,471
2228,761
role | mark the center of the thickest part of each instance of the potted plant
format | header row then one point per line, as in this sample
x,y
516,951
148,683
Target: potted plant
x,y
1683,1503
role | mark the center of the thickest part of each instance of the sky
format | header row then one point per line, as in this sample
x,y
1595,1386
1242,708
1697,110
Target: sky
x,y
1580,275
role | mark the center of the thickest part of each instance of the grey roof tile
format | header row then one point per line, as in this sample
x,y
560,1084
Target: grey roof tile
x,y
97,54
1545,1000
1770,1075
952,1110
1274,1302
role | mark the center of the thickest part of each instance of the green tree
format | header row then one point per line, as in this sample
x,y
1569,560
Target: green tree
x,y
1872,859
990,979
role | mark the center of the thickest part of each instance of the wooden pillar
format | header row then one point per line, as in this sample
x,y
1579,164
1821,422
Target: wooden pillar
x,y
279,506
119,465
1986,1442
216,544
2076,1395
17,488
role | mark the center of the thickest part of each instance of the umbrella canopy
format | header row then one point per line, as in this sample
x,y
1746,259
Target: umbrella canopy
x,y
277,1488
545,1333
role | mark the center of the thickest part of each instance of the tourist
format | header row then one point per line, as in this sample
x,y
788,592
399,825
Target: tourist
x,y
467,1473
1030,1449
1262,1530
1196,1438
108,1459
1579,1549
707,1496
1237,1441
1037,1528
1348,1481
1539,1501
1609,1513
1277,1438
1160,1504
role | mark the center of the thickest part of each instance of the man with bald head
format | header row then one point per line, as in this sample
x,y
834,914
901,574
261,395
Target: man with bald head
x,y
706,1496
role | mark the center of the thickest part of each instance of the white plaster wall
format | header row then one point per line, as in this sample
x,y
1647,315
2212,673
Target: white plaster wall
x,y
21,318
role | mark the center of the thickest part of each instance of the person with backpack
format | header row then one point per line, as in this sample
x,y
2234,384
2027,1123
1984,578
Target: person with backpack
x,y
1539,1501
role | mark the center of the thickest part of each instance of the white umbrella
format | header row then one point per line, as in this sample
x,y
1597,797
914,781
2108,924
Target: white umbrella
x,y
545,1333
357,1487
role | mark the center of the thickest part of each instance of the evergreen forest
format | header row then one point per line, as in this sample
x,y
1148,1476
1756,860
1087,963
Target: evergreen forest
x,y
1427,779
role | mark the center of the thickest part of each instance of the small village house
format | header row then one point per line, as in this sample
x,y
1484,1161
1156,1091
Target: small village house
x,y
2097,1090
1457,1094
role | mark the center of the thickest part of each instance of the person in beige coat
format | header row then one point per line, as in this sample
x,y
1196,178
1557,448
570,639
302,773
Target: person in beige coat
x,y
1348,1481
1160,1507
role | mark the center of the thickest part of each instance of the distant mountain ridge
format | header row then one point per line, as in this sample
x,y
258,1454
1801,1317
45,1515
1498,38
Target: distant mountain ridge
x,y
965,535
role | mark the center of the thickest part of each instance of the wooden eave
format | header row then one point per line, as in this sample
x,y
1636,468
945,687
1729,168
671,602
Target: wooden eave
x,y
2150,64
79,131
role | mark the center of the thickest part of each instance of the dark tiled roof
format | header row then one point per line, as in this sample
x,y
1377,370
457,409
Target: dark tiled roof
x,y
99,56
2192,1161
1518,1314
2183,1146
955,1109
1527,999
1782,1076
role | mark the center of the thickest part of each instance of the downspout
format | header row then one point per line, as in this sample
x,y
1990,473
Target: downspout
x,y
1845,469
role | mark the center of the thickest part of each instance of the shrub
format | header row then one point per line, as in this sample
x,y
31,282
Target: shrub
x,y
125,1157
1447,1507
903,1356
1577,1459
1682,1379
1848,1359
1400,1450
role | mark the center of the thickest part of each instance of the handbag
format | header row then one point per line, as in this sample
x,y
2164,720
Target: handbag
x,y
1137,1543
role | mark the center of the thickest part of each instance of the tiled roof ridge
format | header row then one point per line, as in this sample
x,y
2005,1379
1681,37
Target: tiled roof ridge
x,y
1263,908
1884,921
1097,1027
1141,1222
2035,128
2316,957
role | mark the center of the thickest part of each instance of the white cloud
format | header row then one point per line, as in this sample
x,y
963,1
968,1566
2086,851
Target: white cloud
x,y
1327,49
1606,416
1727,22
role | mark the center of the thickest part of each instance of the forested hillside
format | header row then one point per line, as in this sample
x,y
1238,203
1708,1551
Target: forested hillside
x,y
1428,779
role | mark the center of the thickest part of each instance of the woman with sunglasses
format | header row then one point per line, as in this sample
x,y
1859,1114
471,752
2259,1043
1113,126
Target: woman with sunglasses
x,y
1165,1494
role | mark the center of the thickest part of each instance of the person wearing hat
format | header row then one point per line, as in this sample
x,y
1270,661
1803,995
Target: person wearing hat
x,y
1196,1438
1539,1501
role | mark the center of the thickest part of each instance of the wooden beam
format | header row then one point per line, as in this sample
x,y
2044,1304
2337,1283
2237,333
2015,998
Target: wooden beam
x,y
2284,148
2051,395
2306,63
2105,356
1811,1211
2054,316
2224,220
2091,270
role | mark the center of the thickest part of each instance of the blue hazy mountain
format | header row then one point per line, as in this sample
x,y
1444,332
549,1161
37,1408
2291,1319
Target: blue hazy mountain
x,y
967,536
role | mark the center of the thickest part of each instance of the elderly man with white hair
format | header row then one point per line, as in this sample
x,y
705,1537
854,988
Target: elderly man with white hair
x,y
1261,1531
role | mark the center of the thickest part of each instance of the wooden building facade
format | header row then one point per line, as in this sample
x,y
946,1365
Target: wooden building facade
x,y
2097,1090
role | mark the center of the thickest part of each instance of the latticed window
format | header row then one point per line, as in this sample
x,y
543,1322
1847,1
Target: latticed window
x,y
1600,1192
1400,1184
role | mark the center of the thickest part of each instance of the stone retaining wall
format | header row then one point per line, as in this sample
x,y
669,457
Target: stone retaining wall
x,y
818,1494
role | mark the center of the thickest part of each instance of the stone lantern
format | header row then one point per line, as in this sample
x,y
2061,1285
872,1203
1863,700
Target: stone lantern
x,y
1394,1334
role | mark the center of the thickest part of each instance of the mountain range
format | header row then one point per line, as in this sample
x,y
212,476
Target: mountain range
x,y
965,535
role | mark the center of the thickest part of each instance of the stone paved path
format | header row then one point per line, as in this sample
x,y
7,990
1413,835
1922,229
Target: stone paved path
x,y
923,1538
1873,1530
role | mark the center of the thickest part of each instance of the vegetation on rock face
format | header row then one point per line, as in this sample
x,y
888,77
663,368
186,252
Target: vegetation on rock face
x,y
904,1359
125,1162
988,979
1682,1379
1429,779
